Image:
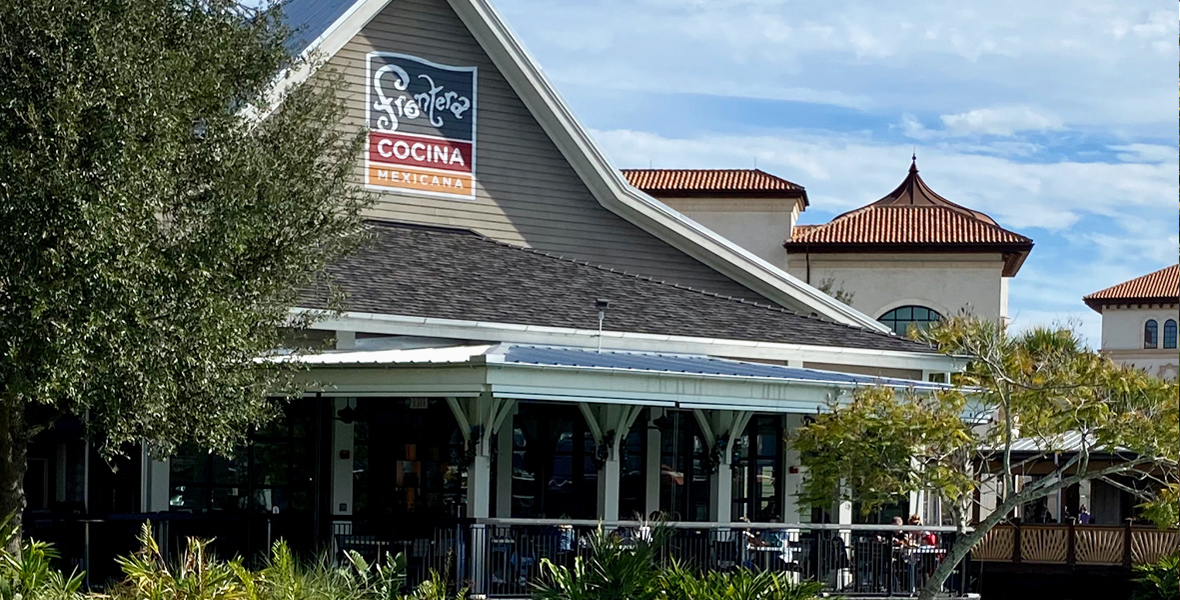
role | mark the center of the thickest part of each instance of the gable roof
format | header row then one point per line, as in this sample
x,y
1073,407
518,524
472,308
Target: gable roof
x,y
433,272
913,218
748,183
1158,287
605,182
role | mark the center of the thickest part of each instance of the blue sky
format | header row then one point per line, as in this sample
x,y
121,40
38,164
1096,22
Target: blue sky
x,y
1056,118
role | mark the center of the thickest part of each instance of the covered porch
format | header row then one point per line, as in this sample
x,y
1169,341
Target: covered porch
x,y
479,460
525,431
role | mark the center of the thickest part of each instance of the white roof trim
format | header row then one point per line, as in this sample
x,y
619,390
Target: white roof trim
x,y
606,182
617,340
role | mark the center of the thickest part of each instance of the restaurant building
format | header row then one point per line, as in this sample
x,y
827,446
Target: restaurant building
x,y
527,336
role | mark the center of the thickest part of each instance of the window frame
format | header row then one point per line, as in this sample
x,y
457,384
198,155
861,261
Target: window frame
x,y
1169,337
894,321
1151,334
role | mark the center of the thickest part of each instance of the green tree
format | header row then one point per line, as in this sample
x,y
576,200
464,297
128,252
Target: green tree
x,y
155,228
1039,386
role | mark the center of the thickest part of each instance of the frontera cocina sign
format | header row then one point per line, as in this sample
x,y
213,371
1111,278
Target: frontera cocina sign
x,y
421,118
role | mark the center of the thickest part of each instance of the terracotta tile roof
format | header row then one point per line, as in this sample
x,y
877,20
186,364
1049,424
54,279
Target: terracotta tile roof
x,y
723,182
906,225
1162,286
913,217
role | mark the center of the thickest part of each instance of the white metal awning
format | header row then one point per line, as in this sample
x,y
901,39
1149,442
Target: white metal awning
x,y
564,374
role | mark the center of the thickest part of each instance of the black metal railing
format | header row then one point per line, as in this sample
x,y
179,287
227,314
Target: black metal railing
x,y
501,558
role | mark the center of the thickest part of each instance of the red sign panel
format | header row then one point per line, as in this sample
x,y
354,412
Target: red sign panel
x,y
404,149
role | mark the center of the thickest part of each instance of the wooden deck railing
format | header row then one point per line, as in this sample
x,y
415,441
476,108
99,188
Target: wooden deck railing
x,y
1076,545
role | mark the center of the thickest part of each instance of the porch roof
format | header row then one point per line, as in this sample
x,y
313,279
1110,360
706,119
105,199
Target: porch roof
x,y
551,373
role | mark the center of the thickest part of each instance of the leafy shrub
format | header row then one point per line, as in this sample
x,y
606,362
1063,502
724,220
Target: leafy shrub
x,y
31,576
1159,580
615,569
198,575
744,584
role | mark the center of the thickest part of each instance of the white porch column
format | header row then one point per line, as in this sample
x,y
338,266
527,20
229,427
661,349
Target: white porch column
x,y
343,438
792,481
651,466
479,419
609,424
479,486
154,483
721,494
504,458
608,489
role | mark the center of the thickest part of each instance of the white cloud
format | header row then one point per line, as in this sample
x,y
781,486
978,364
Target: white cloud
x,y
1005,121
1147,153
1088,63
844,171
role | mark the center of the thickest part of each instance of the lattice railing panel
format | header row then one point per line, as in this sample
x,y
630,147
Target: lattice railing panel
x,y
997,545
1044,544
1099,546
1148,546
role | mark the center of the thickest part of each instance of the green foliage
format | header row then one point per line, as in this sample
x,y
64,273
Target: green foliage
x,y
31,576
870,447
616,569
159,216
613,570
1041,387
198,575
679,583
1158,581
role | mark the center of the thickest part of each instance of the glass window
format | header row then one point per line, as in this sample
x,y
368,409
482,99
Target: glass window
x,y
273,472
684,468
1151,334
632,483
902,318
757,462
1170,334
408,463
553,473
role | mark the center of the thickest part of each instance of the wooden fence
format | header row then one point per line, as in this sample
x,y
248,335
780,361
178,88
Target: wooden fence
x,y
1076,545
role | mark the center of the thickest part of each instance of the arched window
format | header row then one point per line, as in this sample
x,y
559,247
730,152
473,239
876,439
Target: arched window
x,y
1170,333
1151,334
900,319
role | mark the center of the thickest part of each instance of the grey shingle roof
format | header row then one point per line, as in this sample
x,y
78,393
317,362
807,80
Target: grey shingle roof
x,y
457,274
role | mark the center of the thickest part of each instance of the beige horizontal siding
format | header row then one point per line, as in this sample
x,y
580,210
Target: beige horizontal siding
x,y
526,192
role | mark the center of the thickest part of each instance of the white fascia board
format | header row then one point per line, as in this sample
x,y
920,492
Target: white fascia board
x,y
663,385
612,190
606,182
584,338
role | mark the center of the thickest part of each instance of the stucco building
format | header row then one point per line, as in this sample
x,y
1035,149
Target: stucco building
x,y
1139,321
909,258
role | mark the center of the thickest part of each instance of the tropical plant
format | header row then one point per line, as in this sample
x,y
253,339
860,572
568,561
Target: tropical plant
x,y
612,569
1042,388
1158,581
618,568
200,575
680,583
376,581
30,575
